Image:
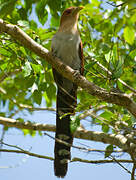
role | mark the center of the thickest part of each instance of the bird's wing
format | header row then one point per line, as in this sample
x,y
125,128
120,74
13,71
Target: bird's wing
x,y
81,58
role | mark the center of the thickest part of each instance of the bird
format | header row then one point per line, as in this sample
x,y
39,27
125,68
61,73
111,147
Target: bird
x,y
67,46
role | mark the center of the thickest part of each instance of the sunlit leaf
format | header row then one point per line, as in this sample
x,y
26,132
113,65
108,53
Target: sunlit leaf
x,y
109,150
133,54
105,128
23,24
129,35
108,56
27,69
107,115
37,97
42,13
6,8
75,123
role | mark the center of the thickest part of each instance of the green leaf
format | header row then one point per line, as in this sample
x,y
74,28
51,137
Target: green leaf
x,y
43,86
6,128
37,97
105,128
74,124
115,54
129,35
50,92
24,24
40,133
48,101
6,8
108,56
41,12
131,4
48,76
33,25
55,5
109,150
27,69
107,115
105,48
29,81
22,12
54,21
29,132
116,74
5,52
133,54
25,131
119,68
119,25
32,133
133,18
20,119
88,8
95,3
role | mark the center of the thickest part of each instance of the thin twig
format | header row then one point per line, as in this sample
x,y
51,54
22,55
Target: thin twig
x,y
14,146
28,153
79,147
133,172
116,5
119,164
2,137
76,159
94,110
115,139
134,165
36,108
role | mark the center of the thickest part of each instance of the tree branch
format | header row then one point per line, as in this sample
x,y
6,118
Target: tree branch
x,y
114,139
31,108
27,152
75,159
110,97
133,172
26,125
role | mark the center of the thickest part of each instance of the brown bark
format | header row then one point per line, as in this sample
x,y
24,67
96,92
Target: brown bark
x,y
114,139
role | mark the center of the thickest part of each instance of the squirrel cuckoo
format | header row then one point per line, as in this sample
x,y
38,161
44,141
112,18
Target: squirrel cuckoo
x,y
66,45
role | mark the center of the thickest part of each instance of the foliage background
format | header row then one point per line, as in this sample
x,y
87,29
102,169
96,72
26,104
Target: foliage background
x,y
108,35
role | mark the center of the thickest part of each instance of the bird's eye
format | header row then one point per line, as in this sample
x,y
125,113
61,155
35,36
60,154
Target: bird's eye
x,y
68,11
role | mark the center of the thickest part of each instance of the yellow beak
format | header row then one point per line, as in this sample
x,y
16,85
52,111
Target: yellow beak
x,y
79,8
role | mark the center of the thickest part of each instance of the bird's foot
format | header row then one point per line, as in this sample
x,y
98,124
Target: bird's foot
x,y
76,75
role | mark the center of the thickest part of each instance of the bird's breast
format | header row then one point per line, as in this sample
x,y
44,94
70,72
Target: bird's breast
x,y
66,47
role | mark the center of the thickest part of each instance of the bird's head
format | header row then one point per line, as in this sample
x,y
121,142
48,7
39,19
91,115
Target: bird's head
x,y
69,18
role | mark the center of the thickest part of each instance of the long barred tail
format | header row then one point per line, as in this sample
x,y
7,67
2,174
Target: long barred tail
x,y
66,104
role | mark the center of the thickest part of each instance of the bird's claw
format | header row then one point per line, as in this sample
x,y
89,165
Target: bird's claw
x,y
76,74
